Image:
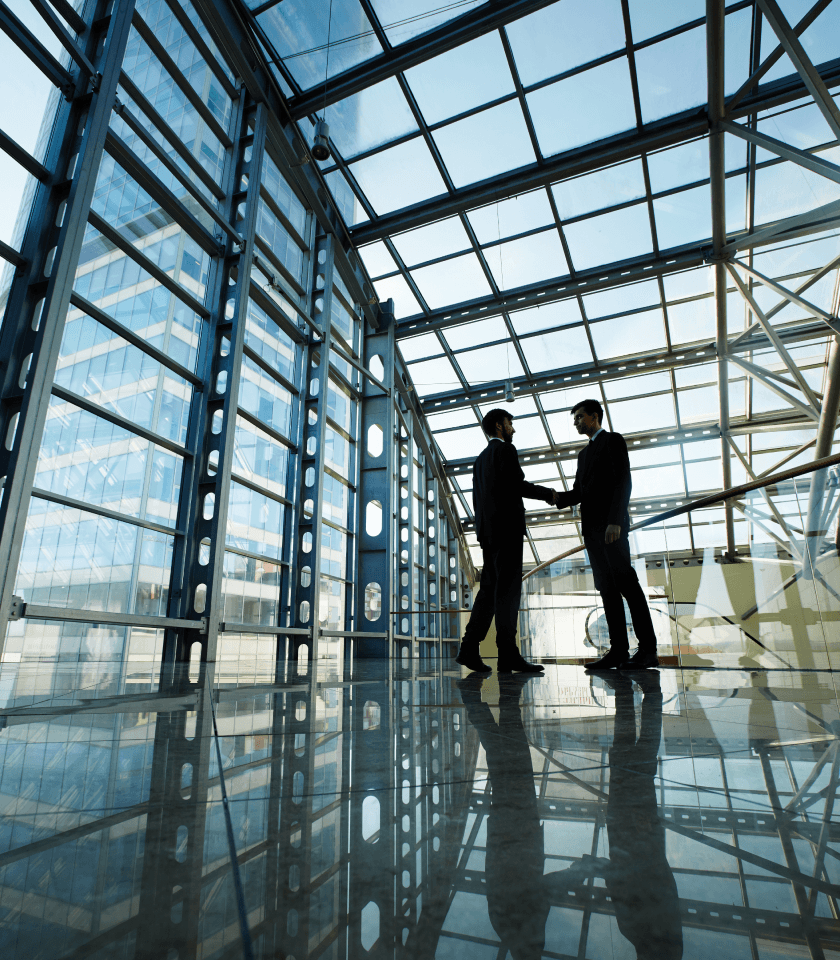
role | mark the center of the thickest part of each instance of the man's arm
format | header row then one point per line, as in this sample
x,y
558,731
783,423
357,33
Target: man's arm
x,y
570,498
623,484
515,477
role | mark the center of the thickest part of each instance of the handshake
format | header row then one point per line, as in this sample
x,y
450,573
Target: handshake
x,y
555,502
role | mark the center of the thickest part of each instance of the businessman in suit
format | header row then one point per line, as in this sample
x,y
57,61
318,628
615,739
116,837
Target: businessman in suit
x,y
602,488
498,488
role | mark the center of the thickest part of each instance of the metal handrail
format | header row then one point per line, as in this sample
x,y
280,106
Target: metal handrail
x,y
730,494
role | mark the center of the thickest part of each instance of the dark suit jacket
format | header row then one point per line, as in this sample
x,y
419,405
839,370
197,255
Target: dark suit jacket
x,y
602,484
498,488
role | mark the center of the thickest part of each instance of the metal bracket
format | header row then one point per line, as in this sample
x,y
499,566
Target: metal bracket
x,y
17,609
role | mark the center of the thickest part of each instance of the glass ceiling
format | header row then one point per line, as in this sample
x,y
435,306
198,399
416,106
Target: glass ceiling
x,y
515,99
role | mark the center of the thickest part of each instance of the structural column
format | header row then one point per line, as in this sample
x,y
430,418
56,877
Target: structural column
x,y
33,325
377,500
715,17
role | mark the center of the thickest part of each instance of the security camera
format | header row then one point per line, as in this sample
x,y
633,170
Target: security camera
x,y
321,147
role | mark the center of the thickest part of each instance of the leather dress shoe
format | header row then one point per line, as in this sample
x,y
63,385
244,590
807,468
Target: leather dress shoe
x,y
472,661
519,664
609,661
641,660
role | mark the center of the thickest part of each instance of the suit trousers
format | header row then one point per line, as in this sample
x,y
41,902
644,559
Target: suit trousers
x,y
498,596
615,577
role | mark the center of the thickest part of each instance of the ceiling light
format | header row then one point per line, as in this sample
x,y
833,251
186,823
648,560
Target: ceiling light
x,y
321,147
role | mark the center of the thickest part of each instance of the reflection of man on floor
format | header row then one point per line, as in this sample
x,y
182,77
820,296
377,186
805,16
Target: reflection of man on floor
x,y
517,898
639,879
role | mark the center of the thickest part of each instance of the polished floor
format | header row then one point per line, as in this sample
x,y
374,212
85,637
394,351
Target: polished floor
x,y
393,811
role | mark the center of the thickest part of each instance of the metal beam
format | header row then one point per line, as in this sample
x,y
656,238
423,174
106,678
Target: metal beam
x,y
23,157
39,296
453,33
775,56
32,47
654,136
810,161
818,220
549,291
809,73
811,308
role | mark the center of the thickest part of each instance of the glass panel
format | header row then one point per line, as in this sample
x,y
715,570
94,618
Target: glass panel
x,y
335,501
404,19
649,18
337,451
71,558
377,259
278,239
453,281
148,74
679,165
262,396
564,348
398,290
333,552
399,176
255,522
528,260
620,299
683,217
604,188
370,118
485,144
86,458
558,314
259,458
490,363
96,364
583,108
672,74
331,605
561,37
250,590
628,335
271,343
610,237
509,217
458,80
299,31
431,242
468,334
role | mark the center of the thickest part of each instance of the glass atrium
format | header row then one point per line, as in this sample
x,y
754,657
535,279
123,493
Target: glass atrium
x,y
244,358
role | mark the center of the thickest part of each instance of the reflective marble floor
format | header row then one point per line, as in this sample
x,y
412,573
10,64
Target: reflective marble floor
x,y
391,812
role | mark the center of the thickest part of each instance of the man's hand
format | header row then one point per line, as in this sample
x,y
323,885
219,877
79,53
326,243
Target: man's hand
x,y
556,500
613,532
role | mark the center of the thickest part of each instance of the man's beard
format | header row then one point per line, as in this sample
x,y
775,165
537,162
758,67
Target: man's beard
x,y
508,438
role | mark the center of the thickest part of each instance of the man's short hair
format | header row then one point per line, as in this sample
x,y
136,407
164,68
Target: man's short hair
x,y
493,417
590,407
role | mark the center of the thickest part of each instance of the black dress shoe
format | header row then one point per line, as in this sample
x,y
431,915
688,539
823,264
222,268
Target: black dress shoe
x,y
641,660
610,661
519,664
472,661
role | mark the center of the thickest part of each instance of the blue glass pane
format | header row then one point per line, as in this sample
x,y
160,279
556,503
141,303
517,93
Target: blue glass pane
x,y
250,590
396,289
488,143
429,243
509,217
672,75
610,237
559,314
604,188
619,299
786,190
399,176
490,363
565,35
299,29
527,260
259,458
370,118
255,522
480,331
583,108
404,19
377,259
819,40
452,281
679,165
563,348
648,18
458,80
692,320
682,217
736,61
623,336
347,202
